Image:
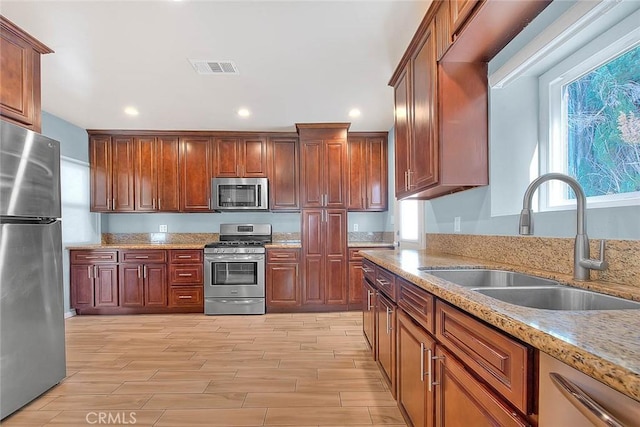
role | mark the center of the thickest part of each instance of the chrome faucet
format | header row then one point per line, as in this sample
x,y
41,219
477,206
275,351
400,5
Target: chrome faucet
x,y
582,263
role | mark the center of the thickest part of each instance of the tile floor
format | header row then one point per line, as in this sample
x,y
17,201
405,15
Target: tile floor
x,y
193,370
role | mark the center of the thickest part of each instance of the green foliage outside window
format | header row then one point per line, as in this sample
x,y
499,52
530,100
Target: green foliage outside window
x,y
603,129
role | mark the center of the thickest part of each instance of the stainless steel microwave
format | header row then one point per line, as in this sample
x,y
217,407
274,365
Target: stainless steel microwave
x,y
233,194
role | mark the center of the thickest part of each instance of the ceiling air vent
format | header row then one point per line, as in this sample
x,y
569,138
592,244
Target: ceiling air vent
x,y
210,67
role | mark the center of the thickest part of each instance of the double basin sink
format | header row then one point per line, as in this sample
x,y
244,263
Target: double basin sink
x,y
530,291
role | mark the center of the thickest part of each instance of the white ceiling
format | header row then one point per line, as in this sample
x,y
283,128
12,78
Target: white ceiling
x,y
299,61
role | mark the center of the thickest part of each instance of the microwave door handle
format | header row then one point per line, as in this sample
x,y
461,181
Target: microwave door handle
x,y
257,199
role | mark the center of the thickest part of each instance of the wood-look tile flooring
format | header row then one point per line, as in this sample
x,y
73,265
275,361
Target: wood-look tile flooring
x,y
311,369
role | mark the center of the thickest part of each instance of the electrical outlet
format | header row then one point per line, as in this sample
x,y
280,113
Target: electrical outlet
x,y
163,228
456,224
355,227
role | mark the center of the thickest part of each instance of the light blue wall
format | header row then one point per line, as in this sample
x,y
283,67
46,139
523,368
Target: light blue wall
x,y
513,138
73,139
73,144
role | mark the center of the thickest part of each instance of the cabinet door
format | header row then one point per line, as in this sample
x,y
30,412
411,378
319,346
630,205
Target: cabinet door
x,y
460,11
368,315
312,173
227,157
336,173
336,265
284,175
461,400
18,61
81,284
122,163
386,339
357,184
195,171
131,285
283,285
414,396
375,171
254,157
313,256
146,174
167,160
443,29
355,282
106,286
100,168
424,161
155,285
402,132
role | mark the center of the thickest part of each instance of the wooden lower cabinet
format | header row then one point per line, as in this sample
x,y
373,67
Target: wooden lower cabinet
x,y
443,366
136,281
462,400
386,339
283,280
368,314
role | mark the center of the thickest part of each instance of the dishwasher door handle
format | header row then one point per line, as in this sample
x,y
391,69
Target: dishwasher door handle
x,y
584,403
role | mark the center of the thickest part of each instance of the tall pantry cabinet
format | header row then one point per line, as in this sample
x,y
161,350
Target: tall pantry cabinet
x,y
324,172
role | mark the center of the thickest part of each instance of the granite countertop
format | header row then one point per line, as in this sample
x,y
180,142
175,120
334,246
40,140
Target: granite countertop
x,y
137,246
370,244
603,344
289,244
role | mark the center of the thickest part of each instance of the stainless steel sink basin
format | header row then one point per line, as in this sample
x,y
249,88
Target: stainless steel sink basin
x,y
559,298
482,278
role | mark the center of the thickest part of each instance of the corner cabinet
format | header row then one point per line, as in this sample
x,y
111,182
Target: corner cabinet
x,y
20,84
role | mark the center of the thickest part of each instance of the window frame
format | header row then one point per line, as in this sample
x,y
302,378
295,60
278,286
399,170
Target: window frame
x,y
420,242
553,156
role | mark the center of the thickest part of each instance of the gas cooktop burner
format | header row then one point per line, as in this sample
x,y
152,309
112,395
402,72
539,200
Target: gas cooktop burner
x,y
232,243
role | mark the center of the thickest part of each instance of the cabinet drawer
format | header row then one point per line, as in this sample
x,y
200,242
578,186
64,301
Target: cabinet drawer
x,y
283,255
386,282
185,296
417,303
185,274
369,270
93,256
502,362
354,254
185,256
143,256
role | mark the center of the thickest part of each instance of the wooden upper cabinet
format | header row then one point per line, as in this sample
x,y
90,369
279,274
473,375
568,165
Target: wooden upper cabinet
x,y
167,164
444,36
402,132
122,164
323,165
367,172
20,83
196,161
284,174
146,174
100,173
241,157
460,11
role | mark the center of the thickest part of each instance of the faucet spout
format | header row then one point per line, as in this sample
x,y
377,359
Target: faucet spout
x,y
582,263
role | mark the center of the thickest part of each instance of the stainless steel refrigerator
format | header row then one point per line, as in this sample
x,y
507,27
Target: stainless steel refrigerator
x,y
31,309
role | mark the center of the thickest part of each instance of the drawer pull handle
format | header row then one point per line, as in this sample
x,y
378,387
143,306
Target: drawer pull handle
x,y
184,256
282,255
185,297
367,270
97,257
185,274
584,403
383,282
141,257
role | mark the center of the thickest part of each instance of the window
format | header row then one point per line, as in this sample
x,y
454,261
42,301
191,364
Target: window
x,y
593,108
410,223
79,225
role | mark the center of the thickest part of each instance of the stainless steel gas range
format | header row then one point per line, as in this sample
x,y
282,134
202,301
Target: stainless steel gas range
x,y
234,270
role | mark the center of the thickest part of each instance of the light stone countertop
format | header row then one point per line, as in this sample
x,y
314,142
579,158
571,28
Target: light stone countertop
x,y
137,246
604,344
370,245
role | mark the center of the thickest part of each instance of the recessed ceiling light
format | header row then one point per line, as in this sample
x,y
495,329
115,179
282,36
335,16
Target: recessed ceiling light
x,y
131,111
243,112
354,113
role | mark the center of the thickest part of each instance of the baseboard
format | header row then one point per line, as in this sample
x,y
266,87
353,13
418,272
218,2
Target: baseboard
x,y
70,313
